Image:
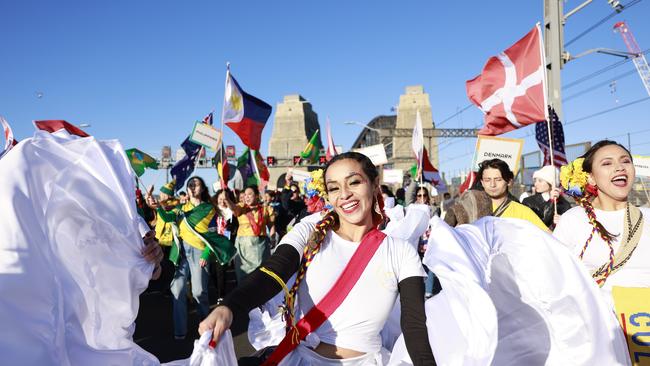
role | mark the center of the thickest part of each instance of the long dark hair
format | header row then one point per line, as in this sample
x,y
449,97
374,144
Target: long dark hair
x,y
499,164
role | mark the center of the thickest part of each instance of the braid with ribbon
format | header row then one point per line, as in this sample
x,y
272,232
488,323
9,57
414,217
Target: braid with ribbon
x,y
574,181
312,247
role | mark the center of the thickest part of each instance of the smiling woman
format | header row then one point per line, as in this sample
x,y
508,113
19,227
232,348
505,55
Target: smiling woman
x,y
606,231
348,276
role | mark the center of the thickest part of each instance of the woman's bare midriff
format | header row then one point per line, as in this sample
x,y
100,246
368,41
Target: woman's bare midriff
x,y
334,352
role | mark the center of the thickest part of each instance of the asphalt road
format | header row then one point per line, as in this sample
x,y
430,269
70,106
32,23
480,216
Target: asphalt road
x,y
154,326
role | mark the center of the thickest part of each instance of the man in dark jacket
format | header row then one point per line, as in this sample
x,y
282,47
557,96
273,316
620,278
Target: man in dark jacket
x,y
542,202
291,202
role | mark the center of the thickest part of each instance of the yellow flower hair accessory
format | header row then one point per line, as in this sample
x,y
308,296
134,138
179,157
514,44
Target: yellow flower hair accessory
x,y
315,184
573,178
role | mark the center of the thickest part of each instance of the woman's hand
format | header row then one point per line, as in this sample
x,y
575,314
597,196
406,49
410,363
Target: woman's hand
x,y
219,320
555,194
152,253
203,262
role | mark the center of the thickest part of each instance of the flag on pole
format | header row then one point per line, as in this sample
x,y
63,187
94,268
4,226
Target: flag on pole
x,y
9,136
208,119
468,183
140,160
331,148
223,168
429,173
244,114
511,89
418,144
184,167
312,150
252,168
56,125
557,135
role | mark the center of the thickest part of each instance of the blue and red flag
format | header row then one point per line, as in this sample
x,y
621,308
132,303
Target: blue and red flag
x,y
244,114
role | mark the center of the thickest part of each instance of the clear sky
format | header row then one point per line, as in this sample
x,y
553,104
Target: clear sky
x,y
143,71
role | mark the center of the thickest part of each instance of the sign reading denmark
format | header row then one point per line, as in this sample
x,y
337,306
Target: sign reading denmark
x,y
206,135
490,147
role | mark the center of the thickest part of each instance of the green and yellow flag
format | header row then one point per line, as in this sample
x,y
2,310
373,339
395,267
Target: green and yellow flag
x,y
140,161
312,150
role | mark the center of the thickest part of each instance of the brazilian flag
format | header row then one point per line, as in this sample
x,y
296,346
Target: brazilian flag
x,y
312,150
140,161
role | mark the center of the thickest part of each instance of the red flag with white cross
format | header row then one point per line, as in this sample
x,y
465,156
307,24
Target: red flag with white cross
x,y
511,89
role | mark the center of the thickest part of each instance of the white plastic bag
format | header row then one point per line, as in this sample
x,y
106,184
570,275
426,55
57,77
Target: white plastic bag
x,y
203,355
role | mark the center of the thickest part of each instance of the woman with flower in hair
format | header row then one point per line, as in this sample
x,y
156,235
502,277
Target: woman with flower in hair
x,y
252,242
606,231
348,276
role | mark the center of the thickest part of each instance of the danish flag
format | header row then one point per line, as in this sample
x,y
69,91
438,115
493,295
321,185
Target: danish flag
x,y
511,89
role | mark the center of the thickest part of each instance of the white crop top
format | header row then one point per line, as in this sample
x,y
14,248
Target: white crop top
x,y
357,322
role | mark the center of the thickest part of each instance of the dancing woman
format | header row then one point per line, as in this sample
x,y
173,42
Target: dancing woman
x,y
343,309
606,231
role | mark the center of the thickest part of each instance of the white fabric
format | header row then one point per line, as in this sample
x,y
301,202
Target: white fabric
x,y
548,309
266,325
411,226
358,320
202,355
573,230
70,264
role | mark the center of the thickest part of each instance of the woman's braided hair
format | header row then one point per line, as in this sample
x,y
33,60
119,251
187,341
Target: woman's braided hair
x,y
330,221
584,193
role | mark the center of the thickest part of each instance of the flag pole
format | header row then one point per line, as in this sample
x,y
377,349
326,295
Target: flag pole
x,y
223,111
549,111
551,153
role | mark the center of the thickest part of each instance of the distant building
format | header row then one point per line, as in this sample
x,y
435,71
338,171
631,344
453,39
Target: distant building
x,y
396,132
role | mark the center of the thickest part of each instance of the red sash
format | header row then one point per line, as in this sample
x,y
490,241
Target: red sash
x,y
334,297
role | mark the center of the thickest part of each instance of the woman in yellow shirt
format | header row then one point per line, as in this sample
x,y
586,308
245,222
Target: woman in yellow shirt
x,y
200,242
252,242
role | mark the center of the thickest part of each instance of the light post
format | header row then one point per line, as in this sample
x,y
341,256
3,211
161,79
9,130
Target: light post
x,y
360,124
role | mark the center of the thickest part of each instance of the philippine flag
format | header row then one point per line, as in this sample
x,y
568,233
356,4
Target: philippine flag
x,y
244,114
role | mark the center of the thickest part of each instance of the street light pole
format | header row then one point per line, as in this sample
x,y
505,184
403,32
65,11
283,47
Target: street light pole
x,y
361,124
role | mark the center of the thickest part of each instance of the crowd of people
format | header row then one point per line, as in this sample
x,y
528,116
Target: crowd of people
x,y
272,239
352,262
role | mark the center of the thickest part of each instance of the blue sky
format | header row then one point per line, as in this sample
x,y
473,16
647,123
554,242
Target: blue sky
x,y
143,71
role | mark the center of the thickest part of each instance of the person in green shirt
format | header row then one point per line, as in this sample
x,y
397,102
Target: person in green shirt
x,y
496,176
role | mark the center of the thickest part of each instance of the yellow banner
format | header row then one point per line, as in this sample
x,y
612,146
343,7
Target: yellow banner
x,y
633,311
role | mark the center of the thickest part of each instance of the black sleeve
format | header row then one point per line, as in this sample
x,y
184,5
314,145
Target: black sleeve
x,y
413,321
258,287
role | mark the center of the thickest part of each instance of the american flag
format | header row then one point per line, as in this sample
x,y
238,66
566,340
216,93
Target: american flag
x,y
208,119
557,135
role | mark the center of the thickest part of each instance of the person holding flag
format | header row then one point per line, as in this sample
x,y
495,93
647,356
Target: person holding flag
x,y
252,242
199,242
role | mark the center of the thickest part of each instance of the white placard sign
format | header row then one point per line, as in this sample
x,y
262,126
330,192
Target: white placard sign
x,y
642,165
376,153
299,176
490,147
206,135
393,176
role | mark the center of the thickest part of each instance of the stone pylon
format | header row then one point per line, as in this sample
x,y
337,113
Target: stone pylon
x,y
410,102
295,123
